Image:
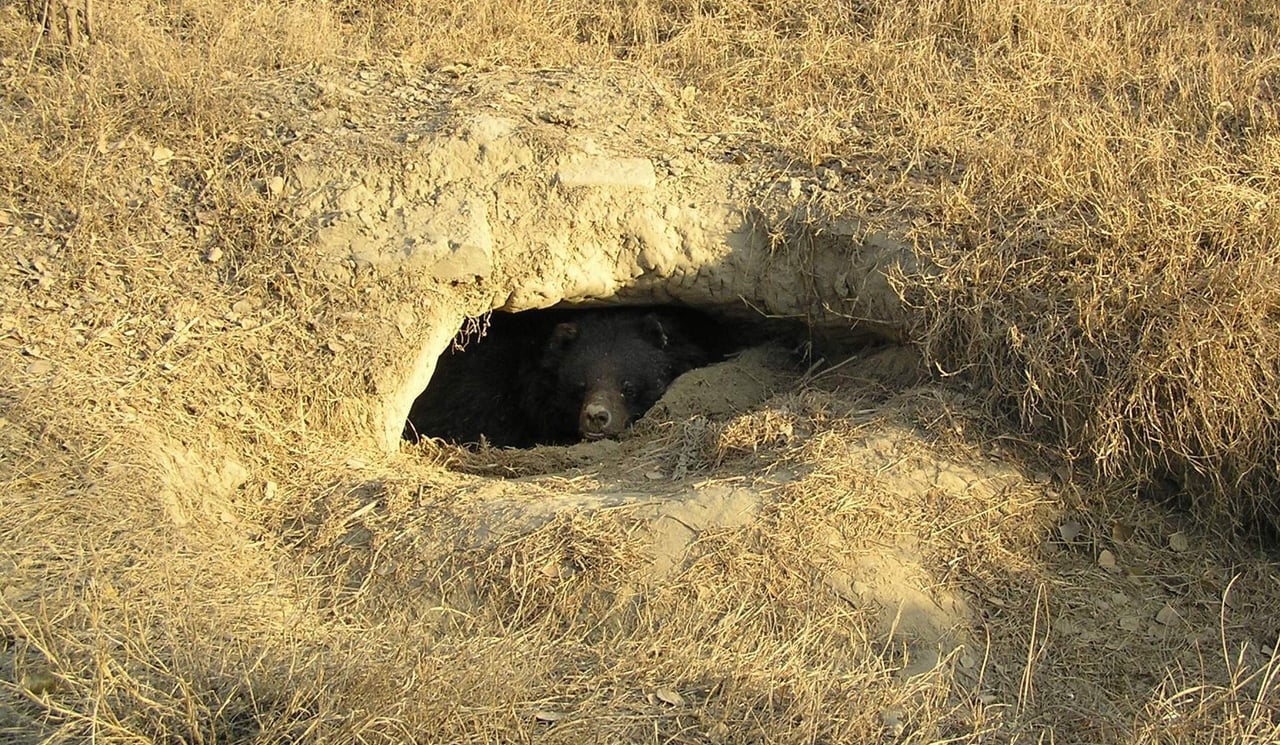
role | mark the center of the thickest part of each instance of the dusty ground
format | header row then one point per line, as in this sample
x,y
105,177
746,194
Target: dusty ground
x,y
222,285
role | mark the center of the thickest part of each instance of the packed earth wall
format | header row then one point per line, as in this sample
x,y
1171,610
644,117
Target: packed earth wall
x,y
508,213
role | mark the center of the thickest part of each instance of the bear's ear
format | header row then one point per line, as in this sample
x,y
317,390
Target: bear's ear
x,y
653,329
561,337
563,334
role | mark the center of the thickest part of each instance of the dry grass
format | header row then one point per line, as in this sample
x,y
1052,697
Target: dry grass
x,y
1100,182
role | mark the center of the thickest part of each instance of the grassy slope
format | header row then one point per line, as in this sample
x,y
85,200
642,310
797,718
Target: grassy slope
x,y
1110,169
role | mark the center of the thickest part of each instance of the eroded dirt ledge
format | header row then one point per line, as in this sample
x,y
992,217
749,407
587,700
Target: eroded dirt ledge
x,y
515,194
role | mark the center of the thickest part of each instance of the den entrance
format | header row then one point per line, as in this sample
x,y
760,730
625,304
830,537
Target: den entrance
x,y
566,375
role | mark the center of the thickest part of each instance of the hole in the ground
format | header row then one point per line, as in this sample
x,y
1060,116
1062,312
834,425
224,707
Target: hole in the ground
x,y
560,376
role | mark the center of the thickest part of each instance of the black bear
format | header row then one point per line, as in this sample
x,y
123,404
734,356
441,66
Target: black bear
x,y
603,369
557,377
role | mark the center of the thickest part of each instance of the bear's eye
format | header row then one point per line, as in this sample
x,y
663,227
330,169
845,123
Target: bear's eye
x,y
628,388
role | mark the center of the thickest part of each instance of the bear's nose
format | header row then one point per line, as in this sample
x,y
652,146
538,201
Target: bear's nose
x,y
597,417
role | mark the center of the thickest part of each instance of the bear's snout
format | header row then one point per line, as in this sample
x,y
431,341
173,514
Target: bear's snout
x,y
603,415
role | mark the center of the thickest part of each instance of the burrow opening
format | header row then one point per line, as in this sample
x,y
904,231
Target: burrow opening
x,y
570,374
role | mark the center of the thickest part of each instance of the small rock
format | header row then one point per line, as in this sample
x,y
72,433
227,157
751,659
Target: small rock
x,y
40,682
624,173
559,570
892,718
1167,616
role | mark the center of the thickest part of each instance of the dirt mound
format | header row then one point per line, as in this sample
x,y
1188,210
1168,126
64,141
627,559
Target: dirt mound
x,y
602,196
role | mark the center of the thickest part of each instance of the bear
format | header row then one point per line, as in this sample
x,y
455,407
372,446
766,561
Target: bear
x,y
557,377
602,370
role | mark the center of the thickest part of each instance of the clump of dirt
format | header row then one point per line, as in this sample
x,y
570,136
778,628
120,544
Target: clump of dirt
x,y
729,387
